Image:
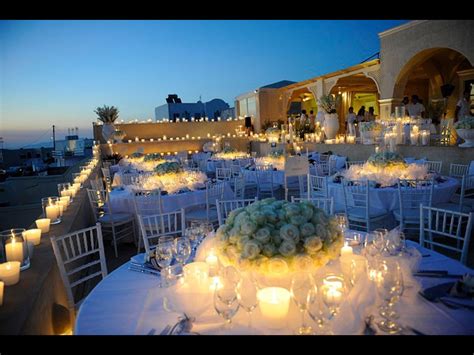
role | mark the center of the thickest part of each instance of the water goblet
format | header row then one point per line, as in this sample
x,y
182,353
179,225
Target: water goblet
x,y
182,250
164,252
333,292
342,221
226,303
247,295
303,292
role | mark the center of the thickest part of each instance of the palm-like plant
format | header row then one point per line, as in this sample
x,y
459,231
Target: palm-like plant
x,y
107,114
330,103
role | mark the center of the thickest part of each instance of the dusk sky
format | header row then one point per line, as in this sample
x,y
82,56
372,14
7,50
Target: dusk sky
x,y
58,72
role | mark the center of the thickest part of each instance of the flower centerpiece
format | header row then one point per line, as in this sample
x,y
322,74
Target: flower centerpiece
x,y
137,155
465,129
273,134
271,236
153,157
330,103
170,167
385,168
369,131
275,158
230,153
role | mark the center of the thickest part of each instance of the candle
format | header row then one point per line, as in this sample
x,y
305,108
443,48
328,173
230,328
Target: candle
x,y
43,224
425,137
65,200
1,292
196,273
10,273
274,303
33,236
14,250
213,263
52,212
346,250
377,149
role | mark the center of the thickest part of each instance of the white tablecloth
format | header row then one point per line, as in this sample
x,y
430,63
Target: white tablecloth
x,y
128,302
387,198
122,200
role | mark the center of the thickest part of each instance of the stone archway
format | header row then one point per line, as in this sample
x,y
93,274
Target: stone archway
x,y
425,74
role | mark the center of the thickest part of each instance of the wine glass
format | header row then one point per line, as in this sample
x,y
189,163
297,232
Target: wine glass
x,y
381,239
164,252
396,244
333,292
182,249
190,233
303,292
226,303
390,287
247,295
342,221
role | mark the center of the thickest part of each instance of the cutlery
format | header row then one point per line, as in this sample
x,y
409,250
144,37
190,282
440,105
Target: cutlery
x,y
142,266
144,271
166,330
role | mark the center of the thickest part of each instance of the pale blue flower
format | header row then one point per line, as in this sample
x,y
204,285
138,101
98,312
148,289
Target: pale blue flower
x,y
250,250
248,227
258,217
312,245
290,232
269,250
292,209
307,230
287,248
263,235
298,220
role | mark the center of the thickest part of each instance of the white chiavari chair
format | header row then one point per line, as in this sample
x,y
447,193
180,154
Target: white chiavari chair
x,y
226,206
147,202
434,166
235,169
107,178
318,186
266,185
239,186
412,193
164,224
223,174
464,202
129,178
446,230
360,214
81,258
458,170
96,184
214,191
326,204
120,225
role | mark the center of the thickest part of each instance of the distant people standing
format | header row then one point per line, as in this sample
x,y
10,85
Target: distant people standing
x,y
415,108
350,121
303,118
371,114
361,114
463,107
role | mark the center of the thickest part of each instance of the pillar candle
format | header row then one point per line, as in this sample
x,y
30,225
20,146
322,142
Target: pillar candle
x,y
274,303
14,250
346,250
10,272
52,212
43,224
33,235
213,263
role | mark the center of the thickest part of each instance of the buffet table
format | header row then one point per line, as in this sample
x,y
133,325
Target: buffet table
x,y
128,302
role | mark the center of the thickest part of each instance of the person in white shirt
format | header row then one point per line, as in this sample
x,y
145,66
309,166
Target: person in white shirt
x,y
350,120
463,107
303,118
415,108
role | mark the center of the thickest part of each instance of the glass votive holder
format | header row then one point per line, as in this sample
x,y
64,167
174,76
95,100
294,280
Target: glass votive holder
x,y
77,178
33,236
51,209
43,224
14,247
63,189
10,273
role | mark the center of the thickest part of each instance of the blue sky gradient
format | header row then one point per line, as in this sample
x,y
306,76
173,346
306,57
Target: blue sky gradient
x,y
58,72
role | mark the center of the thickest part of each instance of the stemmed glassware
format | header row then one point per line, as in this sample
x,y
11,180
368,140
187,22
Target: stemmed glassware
x,y
342,221
182,249
226,299
333,293
164,254
303,291
247,295
389,281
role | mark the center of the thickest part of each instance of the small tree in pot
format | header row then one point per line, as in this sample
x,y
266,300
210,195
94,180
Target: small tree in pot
x,y
330,103
108,115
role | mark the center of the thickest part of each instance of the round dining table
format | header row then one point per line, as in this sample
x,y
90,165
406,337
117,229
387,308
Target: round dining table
x,y
128,302
387,199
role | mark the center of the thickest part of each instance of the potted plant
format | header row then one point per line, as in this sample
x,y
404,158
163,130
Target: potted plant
x,y
329,104
465,130
108,115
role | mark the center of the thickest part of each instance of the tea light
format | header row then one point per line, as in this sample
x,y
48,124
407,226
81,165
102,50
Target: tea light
x,y
33,235
350,139
43,224
1,292
14,250
355,239
425,137
377,149
10,272
274,303
346,250
136,139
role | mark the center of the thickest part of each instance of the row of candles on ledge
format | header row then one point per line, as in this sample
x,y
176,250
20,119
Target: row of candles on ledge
x,y
165,138
178,120
17,244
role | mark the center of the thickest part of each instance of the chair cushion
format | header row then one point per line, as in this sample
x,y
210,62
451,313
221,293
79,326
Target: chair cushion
x,y
116,218
359,212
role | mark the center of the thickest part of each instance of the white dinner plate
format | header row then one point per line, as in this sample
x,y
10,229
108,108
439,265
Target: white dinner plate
x,y
139,258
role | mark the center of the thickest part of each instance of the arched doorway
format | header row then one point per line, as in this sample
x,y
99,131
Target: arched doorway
x,y
435,76
301,99
356,90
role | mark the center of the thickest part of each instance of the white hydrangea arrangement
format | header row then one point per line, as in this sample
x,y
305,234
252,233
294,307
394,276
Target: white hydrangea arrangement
x,y
169,167
278,236
153,157
465,123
